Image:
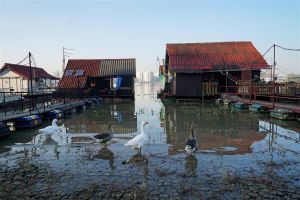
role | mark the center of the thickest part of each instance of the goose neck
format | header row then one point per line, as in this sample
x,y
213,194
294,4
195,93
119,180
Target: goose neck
x,y
142,129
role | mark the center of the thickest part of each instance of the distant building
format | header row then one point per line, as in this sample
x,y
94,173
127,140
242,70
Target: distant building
x,y
99,77
200,69
148,76
293,78
139,76
16,78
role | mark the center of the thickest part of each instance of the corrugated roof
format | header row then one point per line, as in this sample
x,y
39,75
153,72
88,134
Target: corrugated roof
x,y
95,68
117,67
24,71
214,56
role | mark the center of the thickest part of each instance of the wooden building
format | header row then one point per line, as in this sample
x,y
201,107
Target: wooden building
x,y
99,77
16,78
194,70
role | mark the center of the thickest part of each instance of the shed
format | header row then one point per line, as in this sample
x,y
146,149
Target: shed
x,y
16,78
99,77
197,69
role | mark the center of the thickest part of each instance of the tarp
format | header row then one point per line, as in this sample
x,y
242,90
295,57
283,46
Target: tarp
x,y
118,82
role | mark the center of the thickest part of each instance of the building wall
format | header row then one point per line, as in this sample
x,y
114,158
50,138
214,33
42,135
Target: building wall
x,y
11,80
188,85
103,85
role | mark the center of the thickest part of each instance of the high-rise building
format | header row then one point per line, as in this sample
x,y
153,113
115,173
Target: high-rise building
x,y
139,76
148,76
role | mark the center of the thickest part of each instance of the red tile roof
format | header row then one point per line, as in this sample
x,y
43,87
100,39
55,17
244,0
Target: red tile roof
x,y
24,71
90,67
214,56
95,68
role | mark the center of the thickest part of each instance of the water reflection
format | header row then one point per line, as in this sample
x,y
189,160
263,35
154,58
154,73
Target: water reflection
x,y
191,163
120,116
106,154
217,130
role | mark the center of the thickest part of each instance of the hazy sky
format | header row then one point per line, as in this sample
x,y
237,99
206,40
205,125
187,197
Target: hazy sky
x,y
141,29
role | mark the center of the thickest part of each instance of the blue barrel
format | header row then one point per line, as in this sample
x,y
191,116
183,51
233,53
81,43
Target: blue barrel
x,y
28,122
4,131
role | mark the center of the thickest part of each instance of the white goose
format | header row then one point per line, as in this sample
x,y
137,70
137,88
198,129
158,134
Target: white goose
x,y
49,130
140,140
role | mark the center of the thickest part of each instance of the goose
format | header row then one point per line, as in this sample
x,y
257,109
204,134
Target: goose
x,y
140,140
105,137
191,143
49,130
62,129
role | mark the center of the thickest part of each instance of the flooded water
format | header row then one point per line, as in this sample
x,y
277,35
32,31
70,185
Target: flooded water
x,y
240,155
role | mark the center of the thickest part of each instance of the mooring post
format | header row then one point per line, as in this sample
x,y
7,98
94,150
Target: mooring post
x,y
22,102
44,100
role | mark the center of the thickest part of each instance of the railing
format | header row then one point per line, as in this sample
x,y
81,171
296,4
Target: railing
x,y
273,92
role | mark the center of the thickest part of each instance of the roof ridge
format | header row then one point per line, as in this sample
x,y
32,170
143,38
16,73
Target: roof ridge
x,y
195,43
101,59
21,65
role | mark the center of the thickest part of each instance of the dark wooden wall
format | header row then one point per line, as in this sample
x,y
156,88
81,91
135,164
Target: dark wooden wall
x,y
189,85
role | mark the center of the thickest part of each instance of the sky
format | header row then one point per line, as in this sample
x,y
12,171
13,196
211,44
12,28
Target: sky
x,y
140,29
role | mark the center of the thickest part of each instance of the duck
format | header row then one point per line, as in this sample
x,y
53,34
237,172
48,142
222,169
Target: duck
x,y
140,140
49,130
105,137
191,143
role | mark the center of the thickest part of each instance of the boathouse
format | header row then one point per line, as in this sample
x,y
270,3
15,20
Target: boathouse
x,y
193,70
99,77
16,78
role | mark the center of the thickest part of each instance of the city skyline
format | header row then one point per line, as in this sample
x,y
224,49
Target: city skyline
x,y
141,29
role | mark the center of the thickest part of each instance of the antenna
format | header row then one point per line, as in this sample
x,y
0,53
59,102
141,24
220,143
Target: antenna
x,y
66,54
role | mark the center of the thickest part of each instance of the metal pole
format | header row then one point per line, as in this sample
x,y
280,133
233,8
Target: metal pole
x,y
44,100
226,83
78,87
274,63
30,72
64,60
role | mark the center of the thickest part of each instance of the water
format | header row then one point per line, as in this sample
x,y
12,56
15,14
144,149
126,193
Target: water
x,y
230,142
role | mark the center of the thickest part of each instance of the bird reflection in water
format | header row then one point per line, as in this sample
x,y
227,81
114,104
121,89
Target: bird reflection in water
x,y
106,154
142,162
136,159
191,163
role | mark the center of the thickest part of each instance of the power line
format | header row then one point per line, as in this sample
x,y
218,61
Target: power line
x,y
33,60
22,60
288,49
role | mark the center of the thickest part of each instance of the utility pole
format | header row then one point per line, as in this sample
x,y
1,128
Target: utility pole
x,y
65,54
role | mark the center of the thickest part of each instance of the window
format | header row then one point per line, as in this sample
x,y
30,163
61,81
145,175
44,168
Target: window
x,y
68,72
79,72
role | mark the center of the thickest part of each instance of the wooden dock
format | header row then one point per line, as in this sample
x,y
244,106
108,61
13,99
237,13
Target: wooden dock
x,y
39,111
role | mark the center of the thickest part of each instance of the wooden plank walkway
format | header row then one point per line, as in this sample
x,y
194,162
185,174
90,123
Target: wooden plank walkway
x,y
41,110
292,107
